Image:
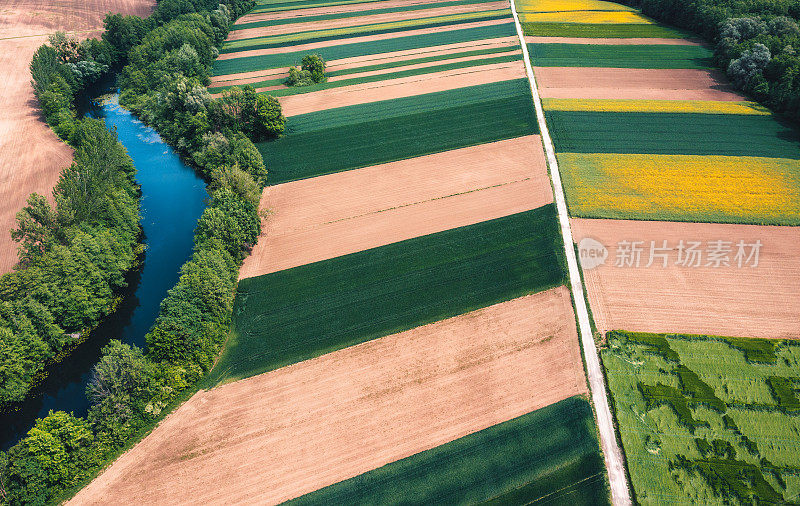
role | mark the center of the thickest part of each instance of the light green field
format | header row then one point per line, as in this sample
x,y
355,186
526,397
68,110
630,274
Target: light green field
x,y
707,420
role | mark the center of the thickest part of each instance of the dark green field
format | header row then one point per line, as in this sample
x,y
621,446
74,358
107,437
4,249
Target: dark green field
x,y
270,61
601,30
549,456
354,145
672,133
297,314
622,56
343,15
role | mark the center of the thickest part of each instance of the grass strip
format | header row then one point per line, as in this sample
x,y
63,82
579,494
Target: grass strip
x,y
673,134
351,31
336,52
659,56
345,15
308,154
305,4
549,455
295,90
300,313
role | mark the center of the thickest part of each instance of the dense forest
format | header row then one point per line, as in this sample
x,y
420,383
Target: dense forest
x,y
757,42
165,61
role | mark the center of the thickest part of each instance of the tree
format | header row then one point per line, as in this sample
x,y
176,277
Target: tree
x,y
751,63
314,64
36,230
121,384
269,121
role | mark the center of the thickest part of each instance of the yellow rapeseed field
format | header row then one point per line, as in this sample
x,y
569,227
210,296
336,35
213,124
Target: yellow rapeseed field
x,y
587,17
569,5
698,106
683,187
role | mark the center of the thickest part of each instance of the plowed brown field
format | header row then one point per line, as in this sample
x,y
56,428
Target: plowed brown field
x,y
31,156
288,432
762,301
366,19
614,83
328,216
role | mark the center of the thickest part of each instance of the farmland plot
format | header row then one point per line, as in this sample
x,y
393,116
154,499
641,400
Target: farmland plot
x,y
327,216
378,139
655,56
707,419
550,454
294,430
299,313
695,295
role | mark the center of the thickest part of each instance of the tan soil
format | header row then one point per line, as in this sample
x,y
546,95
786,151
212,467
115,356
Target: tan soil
x,y
329,216
365,38
288,432
398,88
370,59
366,19
31,155
613,83
749,302
324,11
611,41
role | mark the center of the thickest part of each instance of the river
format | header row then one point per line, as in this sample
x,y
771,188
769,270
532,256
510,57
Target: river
x,y
173,198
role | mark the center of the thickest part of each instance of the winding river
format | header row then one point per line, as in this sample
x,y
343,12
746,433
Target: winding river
x,y
173,198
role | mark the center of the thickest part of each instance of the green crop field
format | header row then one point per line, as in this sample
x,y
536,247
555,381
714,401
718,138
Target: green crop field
x,y
335,52
549,456
601,30
672,133
371,142
345,15
263,7
621,56
397,108
707,420
351,31
505,57
303,312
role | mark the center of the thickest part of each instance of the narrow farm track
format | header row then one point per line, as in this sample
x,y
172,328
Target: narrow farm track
x,y
615,464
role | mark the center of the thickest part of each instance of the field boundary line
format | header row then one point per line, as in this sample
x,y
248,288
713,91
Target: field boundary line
x,y
620,493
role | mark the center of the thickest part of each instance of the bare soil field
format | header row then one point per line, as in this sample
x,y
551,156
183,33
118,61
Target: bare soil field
x,y
371,59
366,19
324,217
288,432
762,301
610,41
364,38
31,155
651,84
402,87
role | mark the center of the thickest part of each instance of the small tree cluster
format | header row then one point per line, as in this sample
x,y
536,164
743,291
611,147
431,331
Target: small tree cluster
x,y
311,71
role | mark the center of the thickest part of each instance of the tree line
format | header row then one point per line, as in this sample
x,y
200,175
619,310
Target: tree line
x,y
73,255
166,61
756,42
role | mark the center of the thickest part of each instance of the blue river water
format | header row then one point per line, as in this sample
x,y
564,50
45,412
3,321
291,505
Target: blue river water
x,y
173,198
